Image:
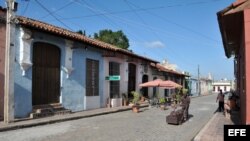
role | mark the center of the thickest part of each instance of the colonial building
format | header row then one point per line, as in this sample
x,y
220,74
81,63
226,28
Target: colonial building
x,y
235,30
159,71
123,75
55,65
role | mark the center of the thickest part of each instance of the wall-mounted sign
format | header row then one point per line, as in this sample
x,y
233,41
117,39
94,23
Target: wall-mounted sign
x,y
113,77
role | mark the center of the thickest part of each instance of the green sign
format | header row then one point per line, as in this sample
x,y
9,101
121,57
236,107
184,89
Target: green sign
x,y
113,77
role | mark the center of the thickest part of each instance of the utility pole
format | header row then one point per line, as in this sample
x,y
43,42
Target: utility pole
x,y
199,84
9,62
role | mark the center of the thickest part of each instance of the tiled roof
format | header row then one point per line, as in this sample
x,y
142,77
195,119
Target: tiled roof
x,y
42,26
162,68
237,6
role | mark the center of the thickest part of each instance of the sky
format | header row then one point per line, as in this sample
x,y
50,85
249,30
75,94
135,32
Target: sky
x,y
183,32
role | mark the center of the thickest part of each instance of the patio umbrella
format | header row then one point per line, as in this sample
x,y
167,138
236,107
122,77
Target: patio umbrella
x,y
154,83
168,84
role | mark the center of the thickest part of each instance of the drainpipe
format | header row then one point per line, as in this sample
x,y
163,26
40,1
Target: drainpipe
x,y
9,62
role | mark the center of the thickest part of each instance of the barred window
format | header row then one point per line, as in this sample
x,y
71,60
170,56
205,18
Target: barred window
x,y
92,77
114,69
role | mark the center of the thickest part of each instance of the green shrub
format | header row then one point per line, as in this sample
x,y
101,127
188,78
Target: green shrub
x,y
162,100
136,97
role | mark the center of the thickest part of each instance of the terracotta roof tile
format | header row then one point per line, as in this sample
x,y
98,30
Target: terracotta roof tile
x,y
162,68
39,25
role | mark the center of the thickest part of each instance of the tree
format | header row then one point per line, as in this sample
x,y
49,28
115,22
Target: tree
x,y
81,32
117,38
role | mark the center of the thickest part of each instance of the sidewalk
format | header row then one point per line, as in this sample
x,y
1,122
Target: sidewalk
x,y
214,129
60,118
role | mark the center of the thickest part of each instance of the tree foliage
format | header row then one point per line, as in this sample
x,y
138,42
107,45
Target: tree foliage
x,y
81,32
117,38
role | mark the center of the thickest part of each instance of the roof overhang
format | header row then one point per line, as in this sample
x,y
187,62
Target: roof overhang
x,y
231,26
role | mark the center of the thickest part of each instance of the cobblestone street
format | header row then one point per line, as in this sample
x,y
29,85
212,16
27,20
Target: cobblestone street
x,y
148,125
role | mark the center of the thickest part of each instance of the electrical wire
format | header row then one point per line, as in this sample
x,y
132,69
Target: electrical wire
x,y
53,12
26,8
126,21
46,9
179,25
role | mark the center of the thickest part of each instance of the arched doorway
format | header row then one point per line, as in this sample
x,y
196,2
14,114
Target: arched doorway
x,y
45,74
131,79
144,90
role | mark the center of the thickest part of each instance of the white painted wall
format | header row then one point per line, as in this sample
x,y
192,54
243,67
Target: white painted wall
x,y
123,80
222,88
91,102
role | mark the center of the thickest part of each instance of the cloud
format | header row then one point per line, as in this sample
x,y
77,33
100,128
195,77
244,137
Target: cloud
x,y
154,44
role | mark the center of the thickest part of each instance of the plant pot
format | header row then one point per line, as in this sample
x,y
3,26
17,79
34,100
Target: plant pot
x,y
125,103
135,108
163,107
142,99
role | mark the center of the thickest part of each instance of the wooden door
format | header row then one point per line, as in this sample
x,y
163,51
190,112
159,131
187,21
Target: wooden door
x,y
144,90
131,79
45,74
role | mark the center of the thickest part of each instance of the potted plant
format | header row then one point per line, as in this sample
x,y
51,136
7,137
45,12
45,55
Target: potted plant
x,y
142,98
124,99
162,102
135,101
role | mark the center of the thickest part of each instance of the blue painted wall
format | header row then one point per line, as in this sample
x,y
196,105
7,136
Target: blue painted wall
x,y
193,85
72,88
22,86
73,92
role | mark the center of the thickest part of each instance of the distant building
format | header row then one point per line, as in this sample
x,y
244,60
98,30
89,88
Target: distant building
x,y
169,66
204,88
222,85
205,85
193,87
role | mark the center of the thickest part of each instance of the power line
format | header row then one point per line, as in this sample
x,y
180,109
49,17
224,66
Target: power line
x,y
127,21
130,6
54,11
191,3
85,4
112,13
27,5
97,11
132,9
52,14
179,25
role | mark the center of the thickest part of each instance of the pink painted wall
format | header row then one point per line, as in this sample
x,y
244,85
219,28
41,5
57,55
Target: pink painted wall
x,y
247,59
2,55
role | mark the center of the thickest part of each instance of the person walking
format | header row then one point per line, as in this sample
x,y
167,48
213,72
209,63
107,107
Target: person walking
x,y
220,98
185,101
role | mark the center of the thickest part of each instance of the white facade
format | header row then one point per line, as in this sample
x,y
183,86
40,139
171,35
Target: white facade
x,y
123,79
224,86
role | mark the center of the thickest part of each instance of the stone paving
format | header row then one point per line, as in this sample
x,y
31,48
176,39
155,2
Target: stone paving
x,y
148,125
214,129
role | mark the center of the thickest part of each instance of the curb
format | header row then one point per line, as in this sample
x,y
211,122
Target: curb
x,y
204,128
51,121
